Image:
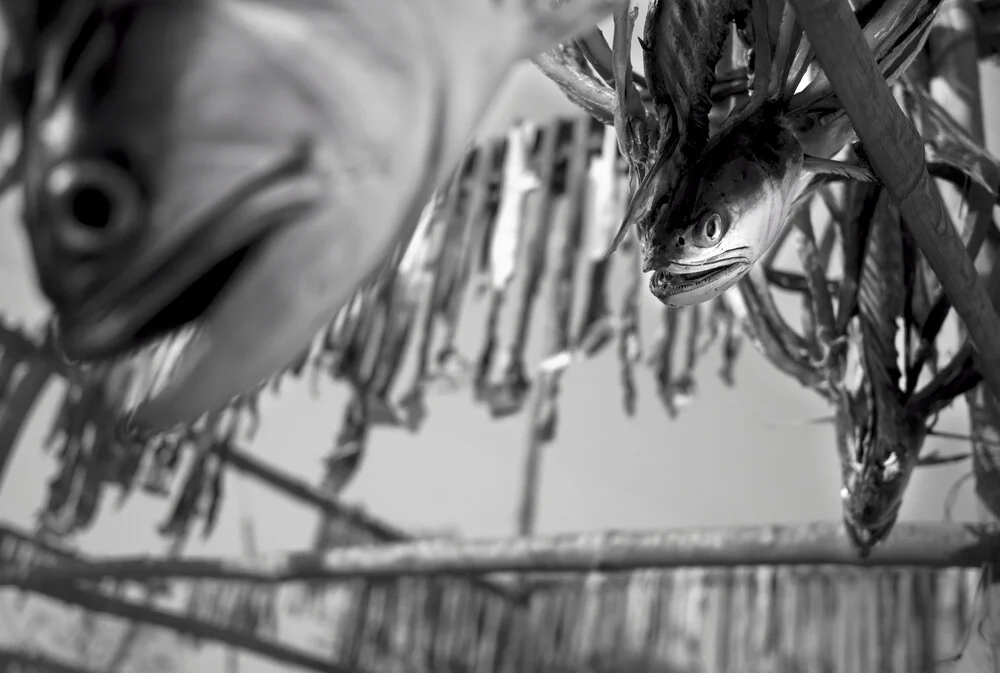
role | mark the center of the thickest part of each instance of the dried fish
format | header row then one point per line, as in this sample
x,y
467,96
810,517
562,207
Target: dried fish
x,y
610,194
507,395
661,359
879,434
629,349
409,282
519,180
443,249
481,211
560,351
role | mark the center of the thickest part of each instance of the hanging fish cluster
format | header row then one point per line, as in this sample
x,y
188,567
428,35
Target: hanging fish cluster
x,y
539,206
868,343
534,209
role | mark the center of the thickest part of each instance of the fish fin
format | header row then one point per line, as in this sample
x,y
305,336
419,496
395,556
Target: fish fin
x,y
786,50
851,171
896,33
799,66
548,27
620,236
765,17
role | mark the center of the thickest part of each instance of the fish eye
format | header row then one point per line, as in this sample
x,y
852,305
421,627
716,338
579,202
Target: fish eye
x,y
93,205
709,230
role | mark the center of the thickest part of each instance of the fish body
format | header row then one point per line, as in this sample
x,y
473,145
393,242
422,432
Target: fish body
x,y
233,169
735,196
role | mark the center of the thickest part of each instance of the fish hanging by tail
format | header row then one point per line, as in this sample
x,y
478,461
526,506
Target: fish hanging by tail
x,y
223,174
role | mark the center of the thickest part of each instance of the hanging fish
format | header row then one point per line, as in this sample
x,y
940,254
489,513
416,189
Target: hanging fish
x,y
507,395
732,202
241,166
519,180
610,191
451,366
629,348
572,181
409,284
881,423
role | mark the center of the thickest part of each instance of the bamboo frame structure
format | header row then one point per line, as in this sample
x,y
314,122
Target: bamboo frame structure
x,y
897,154
927,545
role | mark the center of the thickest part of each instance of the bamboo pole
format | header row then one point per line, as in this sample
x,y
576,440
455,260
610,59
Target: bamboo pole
x,y
194,628
953,81
33,662
928,545
897,154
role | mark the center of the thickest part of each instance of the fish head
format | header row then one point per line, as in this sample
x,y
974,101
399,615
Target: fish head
x,y
870,500
207,182
728,208
166,163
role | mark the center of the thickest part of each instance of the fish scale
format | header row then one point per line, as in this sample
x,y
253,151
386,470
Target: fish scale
x,y
881,295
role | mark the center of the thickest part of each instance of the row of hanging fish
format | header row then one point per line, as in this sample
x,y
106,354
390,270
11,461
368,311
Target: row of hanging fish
x,y
523,226
868,345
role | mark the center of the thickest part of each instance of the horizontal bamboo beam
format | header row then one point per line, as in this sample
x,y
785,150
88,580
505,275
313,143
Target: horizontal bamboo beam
x,y
927,545
896,152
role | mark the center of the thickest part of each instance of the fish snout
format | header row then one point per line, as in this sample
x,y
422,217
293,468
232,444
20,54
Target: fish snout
x,y
861,538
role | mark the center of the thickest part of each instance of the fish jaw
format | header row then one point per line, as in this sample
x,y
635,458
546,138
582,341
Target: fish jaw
x,y
261,321
865,537
677,284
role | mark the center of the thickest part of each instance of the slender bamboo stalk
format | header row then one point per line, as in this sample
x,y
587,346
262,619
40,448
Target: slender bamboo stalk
x,y
928,545
953,71
195,628
33,662
897,154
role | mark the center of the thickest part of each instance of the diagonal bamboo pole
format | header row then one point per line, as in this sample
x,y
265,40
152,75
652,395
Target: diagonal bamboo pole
x,y
897,155
14,661
928,545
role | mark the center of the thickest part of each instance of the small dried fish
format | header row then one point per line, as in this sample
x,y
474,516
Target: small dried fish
x,y
610,194
406,289
507,395
477,233
629,349
519,180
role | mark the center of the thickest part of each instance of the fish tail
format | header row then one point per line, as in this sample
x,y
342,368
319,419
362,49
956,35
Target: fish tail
x,y
547,27
895,31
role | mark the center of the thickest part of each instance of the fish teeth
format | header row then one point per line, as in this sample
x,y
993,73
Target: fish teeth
x,y
148,370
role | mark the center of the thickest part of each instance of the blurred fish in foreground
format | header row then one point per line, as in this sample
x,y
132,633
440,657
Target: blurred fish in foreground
x,y
208,181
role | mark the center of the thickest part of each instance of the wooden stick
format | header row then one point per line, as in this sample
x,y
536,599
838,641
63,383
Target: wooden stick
x,y
896,153
927,545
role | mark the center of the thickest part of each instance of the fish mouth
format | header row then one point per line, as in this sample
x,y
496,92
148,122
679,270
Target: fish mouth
x,y
161,304
868,526
146,326
679,284
865,538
